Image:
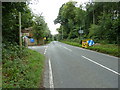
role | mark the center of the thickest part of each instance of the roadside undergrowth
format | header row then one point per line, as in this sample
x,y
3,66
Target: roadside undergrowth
x,y
21,67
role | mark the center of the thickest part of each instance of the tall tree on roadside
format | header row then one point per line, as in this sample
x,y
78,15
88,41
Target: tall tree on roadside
x,y
40,28
10,20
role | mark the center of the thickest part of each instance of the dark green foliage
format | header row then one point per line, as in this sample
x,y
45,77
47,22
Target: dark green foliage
x,y
100,21
40,28
21,67
106,48
10,20
70,19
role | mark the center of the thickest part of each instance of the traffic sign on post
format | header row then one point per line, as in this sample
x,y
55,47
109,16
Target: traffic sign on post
x,y
80,31
44,38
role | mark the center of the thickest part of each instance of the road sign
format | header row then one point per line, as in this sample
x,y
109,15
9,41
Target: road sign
x,y
44,38
80,31
32,40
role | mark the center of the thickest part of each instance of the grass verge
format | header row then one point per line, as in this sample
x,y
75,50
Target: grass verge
x,y
23,72
110,49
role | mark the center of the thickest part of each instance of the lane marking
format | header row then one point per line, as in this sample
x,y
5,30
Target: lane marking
x,y
66,48
101,65
50,76
45,50
91,51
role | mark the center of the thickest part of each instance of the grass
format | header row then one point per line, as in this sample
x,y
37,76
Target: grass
x,y
72,43
23,73
110,49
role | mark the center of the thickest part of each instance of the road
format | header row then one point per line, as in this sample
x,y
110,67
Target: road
x,y
73,67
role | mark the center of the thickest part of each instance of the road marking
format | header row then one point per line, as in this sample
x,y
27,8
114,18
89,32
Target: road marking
x,y
50,75
45,50
92,51
66,48
101,65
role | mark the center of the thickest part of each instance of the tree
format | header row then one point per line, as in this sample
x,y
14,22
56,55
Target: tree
x,y
10,20
40,28
70,18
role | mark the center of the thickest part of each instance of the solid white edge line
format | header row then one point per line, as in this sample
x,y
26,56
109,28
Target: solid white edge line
x,y
50,75
102,65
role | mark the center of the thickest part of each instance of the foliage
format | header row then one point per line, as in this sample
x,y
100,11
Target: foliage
x,y
106,48
41,29
99,20
72,43
10,20
93,31
21,67
70,19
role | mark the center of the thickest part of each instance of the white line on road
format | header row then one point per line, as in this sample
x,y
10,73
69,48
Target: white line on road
x,y
50,75
91,51
66,48
45,50
101,65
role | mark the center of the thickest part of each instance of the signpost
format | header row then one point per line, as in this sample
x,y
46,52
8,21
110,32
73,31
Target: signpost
x,y
80,32
44,38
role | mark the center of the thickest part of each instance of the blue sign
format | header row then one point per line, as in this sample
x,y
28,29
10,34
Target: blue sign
x,y
32,40
90,42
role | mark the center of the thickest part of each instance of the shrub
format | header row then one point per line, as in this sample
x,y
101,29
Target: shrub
x,y
19,67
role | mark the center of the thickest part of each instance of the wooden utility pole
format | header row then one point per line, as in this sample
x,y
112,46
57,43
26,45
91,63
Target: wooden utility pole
x,y
62,34
20,41
93,17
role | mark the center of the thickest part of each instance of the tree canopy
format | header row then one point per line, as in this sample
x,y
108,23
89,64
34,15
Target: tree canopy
x,y
10,21
99,20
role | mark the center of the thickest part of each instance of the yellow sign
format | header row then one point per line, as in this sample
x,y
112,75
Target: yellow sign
x,y
44,38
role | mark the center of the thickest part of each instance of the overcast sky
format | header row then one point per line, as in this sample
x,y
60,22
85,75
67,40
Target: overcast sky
x,y
50,10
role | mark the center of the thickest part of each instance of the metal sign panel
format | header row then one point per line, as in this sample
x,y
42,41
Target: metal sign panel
x,y
80,31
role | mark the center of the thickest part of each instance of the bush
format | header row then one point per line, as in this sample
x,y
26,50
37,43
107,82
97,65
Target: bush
x,y
12,51
21,67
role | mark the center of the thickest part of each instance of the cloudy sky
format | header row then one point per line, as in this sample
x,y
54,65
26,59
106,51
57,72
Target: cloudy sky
x,y
50,10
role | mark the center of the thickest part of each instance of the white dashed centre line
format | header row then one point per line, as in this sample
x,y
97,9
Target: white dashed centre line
x,y
66,48
45,50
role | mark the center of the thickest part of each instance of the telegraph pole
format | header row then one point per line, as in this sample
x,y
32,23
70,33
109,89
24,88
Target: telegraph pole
x,y
93,17
62,34
93,12
20,41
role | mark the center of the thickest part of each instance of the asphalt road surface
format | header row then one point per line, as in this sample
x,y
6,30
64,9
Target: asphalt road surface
x,y
73,67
